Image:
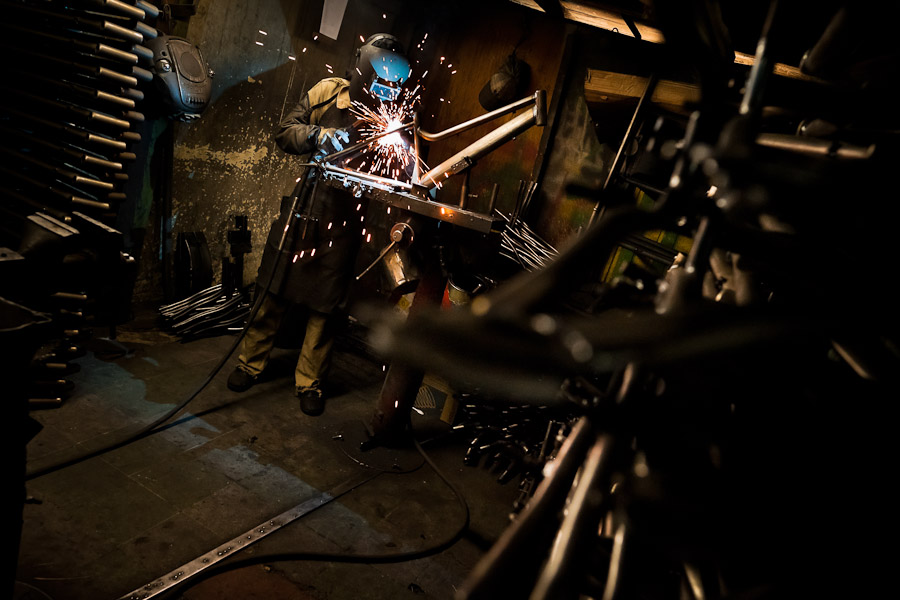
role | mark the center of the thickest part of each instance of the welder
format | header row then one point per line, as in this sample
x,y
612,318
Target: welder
x,y
314,269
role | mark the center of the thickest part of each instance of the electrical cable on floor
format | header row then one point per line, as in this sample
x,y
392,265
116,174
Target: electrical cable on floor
x,y
394,557
150,428
275,557
29,592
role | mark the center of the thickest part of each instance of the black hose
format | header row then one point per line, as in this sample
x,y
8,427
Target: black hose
x,y
144,431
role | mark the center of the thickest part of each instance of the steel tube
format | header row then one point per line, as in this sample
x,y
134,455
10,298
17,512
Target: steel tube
x,y
560,576
479,148
466,125
814,147
388,423
762,66
629,134
123,8
507,568
328,169
123,32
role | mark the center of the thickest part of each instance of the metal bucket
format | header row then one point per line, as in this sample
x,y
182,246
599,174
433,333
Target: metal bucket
x,y
400,274
461,288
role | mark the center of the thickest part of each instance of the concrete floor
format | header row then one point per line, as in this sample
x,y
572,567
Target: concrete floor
x,y
105,527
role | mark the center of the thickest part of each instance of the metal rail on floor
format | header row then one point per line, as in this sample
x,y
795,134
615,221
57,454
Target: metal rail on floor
x,y
233,546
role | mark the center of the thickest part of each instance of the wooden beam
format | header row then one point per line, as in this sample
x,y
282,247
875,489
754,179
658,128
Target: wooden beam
x,y
606,86
602,19
611,21
781,69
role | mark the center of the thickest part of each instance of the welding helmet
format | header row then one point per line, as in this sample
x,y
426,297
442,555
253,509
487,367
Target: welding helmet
x,y
381,65
181,76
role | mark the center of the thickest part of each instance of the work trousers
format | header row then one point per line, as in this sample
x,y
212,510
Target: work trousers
x,y
315,353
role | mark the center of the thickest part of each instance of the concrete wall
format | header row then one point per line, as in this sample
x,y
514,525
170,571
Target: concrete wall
x,y
229,164
265,54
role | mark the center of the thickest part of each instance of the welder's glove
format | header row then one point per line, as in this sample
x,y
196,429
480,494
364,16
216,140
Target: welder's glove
x,y
331,140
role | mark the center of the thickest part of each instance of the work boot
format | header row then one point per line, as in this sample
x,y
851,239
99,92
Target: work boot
x,y
312,402
240,380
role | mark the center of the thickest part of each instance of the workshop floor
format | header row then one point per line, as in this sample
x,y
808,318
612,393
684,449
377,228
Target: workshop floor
x,y
107,526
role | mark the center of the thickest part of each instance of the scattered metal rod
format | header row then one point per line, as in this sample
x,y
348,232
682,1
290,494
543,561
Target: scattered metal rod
x,y
519,243
532,187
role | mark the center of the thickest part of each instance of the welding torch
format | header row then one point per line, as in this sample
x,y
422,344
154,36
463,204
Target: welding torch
x,y
366,142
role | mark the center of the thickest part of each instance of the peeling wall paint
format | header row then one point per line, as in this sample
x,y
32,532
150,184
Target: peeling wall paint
x,y
226,163
240,159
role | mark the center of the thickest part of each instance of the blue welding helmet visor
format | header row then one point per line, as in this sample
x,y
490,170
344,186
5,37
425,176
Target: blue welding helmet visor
x,y
382,66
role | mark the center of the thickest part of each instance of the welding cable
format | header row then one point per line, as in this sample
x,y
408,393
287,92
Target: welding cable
x,y
151,428
339,557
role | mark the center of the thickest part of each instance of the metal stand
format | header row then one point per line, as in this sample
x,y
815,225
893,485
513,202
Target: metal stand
x,y
389,423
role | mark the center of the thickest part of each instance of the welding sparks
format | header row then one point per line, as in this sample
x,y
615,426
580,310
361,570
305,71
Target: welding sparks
x,y
389,155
